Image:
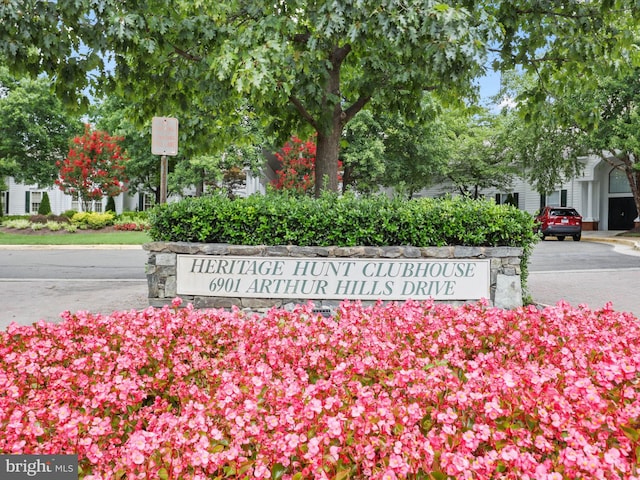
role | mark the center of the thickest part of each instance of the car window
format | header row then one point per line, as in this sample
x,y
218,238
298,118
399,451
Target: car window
x,y
564,213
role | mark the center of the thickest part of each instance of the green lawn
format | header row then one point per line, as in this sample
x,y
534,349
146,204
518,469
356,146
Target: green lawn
x,y
77,238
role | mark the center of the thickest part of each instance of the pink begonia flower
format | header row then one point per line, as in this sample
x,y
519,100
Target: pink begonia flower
x,y
388,388
508,380
137,457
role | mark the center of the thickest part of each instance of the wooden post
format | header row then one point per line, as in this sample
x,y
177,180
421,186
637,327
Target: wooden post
x,y
164,169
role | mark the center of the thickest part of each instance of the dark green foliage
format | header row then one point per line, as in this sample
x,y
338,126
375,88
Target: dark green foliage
x,y
45,205
111,205
333,220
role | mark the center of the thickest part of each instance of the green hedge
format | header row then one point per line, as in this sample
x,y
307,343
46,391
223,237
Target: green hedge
x,y
277,219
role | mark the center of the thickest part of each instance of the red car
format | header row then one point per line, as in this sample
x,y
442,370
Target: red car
x,y
559,222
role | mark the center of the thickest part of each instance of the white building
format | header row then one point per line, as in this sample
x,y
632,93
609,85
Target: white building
x,y
601,194
21,199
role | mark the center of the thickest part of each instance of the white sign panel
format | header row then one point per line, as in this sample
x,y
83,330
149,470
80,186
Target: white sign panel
x,y
332,278
164,136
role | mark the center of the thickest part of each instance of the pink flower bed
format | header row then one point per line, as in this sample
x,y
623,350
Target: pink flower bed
x,y
417,390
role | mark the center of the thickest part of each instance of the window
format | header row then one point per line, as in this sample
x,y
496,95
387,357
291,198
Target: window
x,y
564,212
618,182
145,201
4,202
32,202
507,199
559,198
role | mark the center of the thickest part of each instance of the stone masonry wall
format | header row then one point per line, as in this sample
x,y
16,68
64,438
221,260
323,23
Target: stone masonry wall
x,y
505,288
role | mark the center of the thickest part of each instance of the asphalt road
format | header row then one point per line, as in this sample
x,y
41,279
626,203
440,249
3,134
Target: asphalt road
x,y
41,283
68,263
588,273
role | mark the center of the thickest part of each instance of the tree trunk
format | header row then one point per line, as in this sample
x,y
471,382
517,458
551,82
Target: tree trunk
x,y
633,175
331,122
327,153
200,183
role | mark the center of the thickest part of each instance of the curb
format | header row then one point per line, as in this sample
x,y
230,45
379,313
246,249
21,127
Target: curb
x,y
622,241
71,247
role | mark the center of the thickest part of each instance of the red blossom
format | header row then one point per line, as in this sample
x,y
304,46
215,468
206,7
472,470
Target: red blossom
x,y
297,170
94,166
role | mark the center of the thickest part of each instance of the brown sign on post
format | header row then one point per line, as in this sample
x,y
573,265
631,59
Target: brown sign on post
x,y
164,136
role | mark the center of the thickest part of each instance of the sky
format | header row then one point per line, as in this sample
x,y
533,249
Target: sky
x,y
489,85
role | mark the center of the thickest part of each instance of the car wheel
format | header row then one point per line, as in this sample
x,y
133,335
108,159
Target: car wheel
x,y
576,237
561,238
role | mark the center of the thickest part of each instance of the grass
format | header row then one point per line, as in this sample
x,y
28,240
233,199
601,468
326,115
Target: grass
x,y
77,238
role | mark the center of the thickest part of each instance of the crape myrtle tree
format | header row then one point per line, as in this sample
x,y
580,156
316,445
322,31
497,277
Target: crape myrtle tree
x,y
93,168
304,64
544,142
601,118
362,153
297,160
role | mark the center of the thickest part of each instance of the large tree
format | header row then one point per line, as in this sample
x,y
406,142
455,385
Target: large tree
x,y
415,153
478,158
35,130
303,62
616,136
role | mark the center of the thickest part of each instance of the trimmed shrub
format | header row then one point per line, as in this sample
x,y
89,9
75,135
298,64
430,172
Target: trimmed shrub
x,y
342,221
92,220
111,205
45,205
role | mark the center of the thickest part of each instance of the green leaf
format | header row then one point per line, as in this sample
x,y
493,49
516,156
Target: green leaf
x,y
341,475
278,471
438,475
631,433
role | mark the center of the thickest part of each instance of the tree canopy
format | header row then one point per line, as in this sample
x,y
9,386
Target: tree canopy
x,y
615,138
306,64
35,130
478,158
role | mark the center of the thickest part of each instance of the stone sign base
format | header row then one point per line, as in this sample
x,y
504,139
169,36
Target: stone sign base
x,y
258,278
